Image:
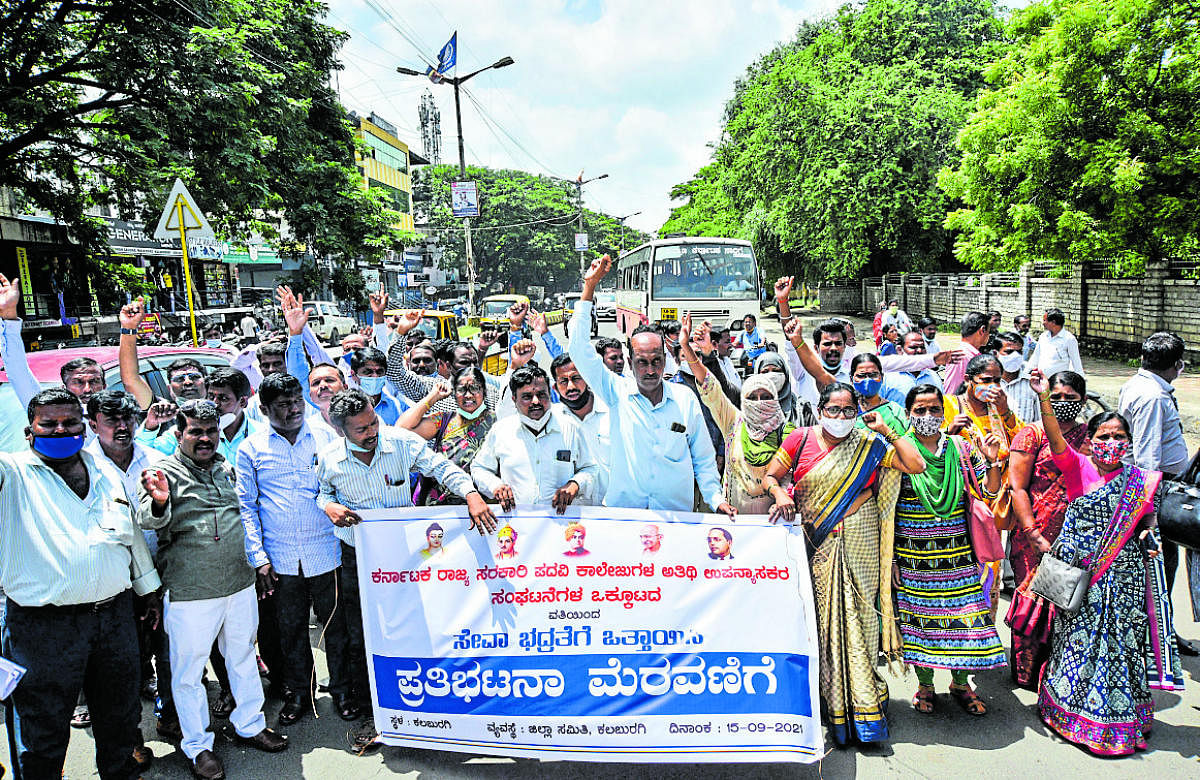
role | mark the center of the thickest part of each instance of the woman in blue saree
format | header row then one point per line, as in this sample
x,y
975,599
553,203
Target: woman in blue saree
x,y
1106,657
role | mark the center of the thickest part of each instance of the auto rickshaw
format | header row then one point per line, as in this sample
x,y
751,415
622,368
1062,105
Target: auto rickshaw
x,y
436,324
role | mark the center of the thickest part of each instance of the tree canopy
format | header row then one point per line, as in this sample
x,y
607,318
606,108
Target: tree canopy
x,y
1086,146
107,101
525,234
832,142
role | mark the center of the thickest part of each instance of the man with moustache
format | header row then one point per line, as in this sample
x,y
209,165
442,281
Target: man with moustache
x,y
536,456
191,500
659,442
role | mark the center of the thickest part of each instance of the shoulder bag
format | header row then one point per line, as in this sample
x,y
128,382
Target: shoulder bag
x,y
981,523
1179,507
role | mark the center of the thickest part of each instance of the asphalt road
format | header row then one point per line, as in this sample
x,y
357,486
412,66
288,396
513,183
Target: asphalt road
x,y
1009,741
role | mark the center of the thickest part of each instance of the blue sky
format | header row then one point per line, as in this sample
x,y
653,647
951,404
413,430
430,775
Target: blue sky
x,y
631,88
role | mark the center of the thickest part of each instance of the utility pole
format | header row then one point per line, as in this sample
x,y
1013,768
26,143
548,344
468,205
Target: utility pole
x,y
579,182
462,159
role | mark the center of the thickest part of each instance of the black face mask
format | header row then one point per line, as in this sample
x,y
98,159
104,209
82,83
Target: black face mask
x,y
583,400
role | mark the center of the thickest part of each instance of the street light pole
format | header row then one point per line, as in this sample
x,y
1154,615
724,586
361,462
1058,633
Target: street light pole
x,y
622,221
462,163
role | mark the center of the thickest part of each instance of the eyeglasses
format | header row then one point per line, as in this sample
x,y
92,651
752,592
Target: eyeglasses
x,y
468,390
925,413
847,412
190,377
867,377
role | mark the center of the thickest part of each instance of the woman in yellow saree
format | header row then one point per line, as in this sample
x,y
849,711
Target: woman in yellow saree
x,y
845,481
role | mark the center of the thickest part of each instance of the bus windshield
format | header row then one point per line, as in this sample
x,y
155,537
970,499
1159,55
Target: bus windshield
x,y
496,308
705,271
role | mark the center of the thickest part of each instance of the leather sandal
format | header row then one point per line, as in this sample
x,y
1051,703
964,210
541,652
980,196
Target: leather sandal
x,y
969,701
923,701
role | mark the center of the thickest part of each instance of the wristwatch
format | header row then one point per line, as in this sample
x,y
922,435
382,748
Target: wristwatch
x,y
129,331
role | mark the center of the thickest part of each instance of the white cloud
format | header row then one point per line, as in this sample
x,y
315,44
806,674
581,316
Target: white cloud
x,y
631,88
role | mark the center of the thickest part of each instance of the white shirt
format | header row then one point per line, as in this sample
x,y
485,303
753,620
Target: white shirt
x,y
143,458
657,450
731,374
249,326
595,425
384,483
535,466
58,548
1055,353
1022,400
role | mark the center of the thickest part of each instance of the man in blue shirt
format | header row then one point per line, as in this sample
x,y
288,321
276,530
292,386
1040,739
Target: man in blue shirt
x,y
368,368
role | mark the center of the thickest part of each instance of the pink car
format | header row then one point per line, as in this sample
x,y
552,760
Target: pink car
x,y
152,364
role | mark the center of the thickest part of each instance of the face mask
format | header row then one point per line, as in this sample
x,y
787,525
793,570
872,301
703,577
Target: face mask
x,y
58,447
837,427
1066,411
355,448
868,388
372,385
986,393
579,402
537,426
226,420
471,415
778,380
927,425
1110,452
893,310
1011,362
213,343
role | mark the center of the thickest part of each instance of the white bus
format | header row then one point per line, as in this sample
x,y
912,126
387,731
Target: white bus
x,y
716,279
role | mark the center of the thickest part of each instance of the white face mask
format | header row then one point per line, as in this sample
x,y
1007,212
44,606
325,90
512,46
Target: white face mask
x,y
1011,362
537,426
837,427
226,420
777,379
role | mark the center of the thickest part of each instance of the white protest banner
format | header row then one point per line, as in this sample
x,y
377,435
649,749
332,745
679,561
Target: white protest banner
x,y
601,635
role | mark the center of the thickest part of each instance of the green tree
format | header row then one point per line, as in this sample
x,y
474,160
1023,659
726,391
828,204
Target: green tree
x,y
525,232
1087,144
832,141
107,101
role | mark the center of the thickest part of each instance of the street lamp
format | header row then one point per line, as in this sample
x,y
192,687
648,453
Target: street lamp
x,y
503,62
622,221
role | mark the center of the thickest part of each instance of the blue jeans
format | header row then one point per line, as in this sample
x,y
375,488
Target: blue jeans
x,y
65,651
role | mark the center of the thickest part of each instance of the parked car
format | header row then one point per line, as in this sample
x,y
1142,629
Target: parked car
x,y
569,309
328,322
152,364
606,305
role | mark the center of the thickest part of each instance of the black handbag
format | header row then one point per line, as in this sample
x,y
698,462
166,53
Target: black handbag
x,y
1179,508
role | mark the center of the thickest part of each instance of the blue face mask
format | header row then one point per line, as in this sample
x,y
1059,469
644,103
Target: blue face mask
x,y
463,413
355,448
868,388
58,447
372,385
213,343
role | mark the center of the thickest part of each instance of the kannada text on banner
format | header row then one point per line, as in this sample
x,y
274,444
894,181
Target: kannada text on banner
x,y
601,635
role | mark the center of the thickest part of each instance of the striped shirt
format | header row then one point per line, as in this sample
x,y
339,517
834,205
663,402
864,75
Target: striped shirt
x,y
385,483
277,490
58,548
1022,399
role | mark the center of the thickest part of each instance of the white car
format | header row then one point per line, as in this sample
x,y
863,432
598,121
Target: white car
x,y
328,322
606,305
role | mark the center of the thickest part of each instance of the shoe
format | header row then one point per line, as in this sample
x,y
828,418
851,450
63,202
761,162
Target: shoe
x,y
81,718
294,707
266,740
150,689
1185,648
223,705
207,766
169,730
347,706
143,756
363,739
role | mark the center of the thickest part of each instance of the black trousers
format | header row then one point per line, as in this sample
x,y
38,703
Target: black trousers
x,y
294,593
67,650
357,650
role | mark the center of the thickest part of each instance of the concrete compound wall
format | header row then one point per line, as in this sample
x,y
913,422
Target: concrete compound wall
x,y
1116,312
